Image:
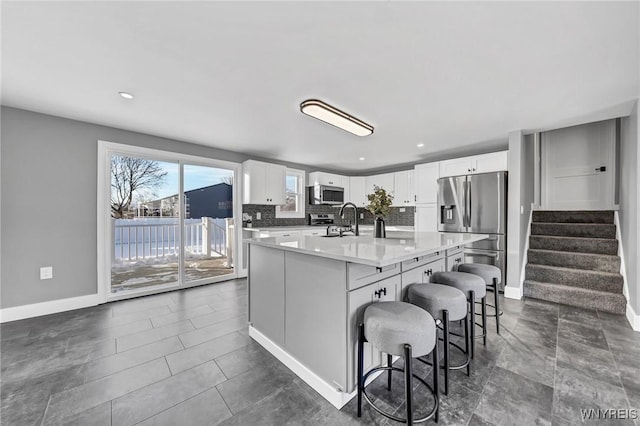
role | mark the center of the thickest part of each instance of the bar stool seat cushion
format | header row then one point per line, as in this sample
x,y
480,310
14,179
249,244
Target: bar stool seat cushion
x,y
487,272
434,298
462,281
390,325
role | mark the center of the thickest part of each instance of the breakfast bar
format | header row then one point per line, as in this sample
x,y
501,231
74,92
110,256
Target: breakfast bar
x,y
307,294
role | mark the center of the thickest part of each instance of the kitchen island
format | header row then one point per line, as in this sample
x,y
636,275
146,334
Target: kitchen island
x,y
308,293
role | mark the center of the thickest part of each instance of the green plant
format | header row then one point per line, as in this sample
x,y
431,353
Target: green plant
x,y
379,202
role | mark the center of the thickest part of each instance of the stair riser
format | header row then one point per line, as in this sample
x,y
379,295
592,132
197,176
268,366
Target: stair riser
x,y
573,216
614,303
575,261
574,230
574,245
575,278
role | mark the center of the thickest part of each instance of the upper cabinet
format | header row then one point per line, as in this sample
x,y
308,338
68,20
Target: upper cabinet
x,y
358,192
263,183
385,180
404,189
426,182
493,162
321,178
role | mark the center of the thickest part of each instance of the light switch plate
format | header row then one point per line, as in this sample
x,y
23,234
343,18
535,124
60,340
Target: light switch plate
x,y
46,272
402,210
258,216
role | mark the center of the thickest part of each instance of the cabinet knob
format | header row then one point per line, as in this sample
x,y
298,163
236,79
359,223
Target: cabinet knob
x,y
468,170
379,269
429,272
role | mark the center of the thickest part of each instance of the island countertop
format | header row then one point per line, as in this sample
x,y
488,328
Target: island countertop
x,y
371,251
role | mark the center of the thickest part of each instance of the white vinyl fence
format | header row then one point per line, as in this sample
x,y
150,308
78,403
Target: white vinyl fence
x,y
145,238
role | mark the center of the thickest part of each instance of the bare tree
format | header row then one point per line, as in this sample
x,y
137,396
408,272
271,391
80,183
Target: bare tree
x,y
132,176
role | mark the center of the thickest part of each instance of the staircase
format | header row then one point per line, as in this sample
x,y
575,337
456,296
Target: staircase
x,y
573,260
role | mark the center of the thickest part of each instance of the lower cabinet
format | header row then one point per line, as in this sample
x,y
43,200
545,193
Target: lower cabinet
x,y
455,257
421,275
357,300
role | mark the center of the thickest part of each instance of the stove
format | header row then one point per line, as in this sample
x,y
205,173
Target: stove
x,y
321,219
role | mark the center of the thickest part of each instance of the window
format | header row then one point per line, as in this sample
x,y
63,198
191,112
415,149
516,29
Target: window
x,y
295,199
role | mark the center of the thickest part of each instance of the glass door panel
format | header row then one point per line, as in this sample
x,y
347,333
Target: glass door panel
x,y
208,223
145,224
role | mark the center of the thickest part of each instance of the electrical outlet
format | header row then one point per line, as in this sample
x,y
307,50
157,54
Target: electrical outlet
x,y
258,216
402,210
361,215
46,272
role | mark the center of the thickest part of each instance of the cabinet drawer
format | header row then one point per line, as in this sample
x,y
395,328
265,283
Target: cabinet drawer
x,y
422,260
313,232
454,260
359,275
292,234
453,250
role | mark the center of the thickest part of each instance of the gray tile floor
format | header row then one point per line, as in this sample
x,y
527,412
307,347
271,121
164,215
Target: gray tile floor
x,y
184,358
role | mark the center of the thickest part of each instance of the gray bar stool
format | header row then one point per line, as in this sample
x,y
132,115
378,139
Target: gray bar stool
x,y
449,304
492,276
402,329
474,288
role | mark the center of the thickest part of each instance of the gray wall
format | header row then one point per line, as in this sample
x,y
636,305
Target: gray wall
x,y
629,202
48,185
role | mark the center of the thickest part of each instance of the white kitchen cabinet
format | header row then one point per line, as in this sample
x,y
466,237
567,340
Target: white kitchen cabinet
x,y
404,189
426,218
422,274
314,232
385,180
321,178
426,182
290,233
263,183
492,162
357,188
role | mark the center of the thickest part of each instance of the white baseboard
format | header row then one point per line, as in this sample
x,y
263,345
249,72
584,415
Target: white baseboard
x,y
336,397
633,318
513,292
45,308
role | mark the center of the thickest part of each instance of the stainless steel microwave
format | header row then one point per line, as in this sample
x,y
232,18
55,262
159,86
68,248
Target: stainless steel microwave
x,y
325,194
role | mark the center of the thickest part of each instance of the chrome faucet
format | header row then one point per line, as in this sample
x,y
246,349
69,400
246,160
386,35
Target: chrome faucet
x,y
355,214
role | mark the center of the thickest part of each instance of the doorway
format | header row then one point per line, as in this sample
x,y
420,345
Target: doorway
x,y
166,221
577,170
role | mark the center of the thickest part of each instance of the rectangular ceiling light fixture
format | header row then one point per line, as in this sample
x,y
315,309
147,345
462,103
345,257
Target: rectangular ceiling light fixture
x,y
335,117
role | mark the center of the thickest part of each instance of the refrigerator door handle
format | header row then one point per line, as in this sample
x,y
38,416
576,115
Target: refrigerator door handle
x,y
465,210
480,253
469,208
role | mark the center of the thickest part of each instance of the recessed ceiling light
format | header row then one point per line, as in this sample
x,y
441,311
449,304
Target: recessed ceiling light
x,y
420,145
126,95
362,158
335,117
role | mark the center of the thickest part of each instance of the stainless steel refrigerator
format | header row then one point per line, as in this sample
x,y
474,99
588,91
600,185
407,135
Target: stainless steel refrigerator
x,y
477,204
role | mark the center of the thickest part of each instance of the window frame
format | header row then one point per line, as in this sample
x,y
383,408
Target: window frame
x,y
301,175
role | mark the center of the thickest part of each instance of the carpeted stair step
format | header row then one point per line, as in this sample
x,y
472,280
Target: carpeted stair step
x,y
573,216
566,259
574,244
584,230
593,280
574,296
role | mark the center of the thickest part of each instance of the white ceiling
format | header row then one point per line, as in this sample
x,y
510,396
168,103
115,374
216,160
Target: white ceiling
x,y
232,75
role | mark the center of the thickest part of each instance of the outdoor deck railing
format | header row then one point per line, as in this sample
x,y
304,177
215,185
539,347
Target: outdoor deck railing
x,y
134,241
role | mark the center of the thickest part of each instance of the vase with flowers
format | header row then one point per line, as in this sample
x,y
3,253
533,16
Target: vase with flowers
x,y
380,206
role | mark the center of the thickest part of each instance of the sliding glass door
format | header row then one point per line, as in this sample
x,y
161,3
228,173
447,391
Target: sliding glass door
x,y
208,224
166,221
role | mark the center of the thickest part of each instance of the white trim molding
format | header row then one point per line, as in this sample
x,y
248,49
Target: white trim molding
x,y
632,316
51,307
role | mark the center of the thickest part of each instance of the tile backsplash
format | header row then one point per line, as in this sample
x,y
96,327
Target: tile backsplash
x,y
268,216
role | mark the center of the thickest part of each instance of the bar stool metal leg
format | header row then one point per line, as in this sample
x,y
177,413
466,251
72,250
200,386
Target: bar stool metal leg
x,y
436,385
360,366
496,295
484,320
467,343
445,332
472,304
408,383
389,364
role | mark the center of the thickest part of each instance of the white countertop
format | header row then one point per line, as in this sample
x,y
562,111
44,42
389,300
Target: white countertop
x,y
370,251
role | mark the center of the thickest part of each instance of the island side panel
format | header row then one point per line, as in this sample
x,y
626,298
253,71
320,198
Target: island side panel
x,y
316,315
266,292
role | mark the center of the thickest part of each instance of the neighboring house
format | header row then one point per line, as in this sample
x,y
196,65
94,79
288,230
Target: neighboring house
x,y
215,201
